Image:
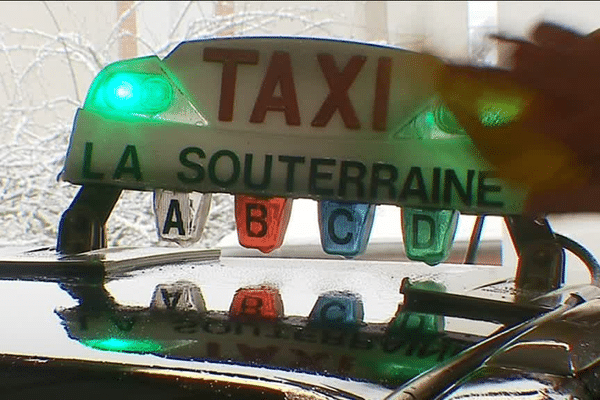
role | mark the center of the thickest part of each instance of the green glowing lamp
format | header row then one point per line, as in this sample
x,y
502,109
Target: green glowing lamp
x,y
124,345
132,93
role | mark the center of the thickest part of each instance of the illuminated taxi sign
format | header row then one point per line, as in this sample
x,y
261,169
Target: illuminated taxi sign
x,y
284,117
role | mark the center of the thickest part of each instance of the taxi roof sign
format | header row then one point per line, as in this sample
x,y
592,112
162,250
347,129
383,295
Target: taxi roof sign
x,y
288,117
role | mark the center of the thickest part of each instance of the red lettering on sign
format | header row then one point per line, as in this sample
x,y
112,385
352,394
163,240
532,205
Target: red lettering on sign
x,y
339,83
230,59
382,94
279,72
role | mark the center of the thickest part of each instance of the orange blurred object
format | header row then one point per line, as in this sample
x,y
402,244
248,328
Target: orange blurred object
x,y
506,122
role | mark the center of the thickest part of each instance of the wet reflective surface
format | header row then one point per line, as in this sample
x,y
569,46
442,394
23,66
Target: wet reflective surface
x,y
270,328
175,309
509,384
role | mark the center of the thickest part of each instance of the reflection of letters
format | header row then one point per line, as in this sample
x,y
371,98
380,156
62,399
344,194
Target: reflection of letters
x,y
170,299
304,360
257,354
213,350
345,365
124,323
251,305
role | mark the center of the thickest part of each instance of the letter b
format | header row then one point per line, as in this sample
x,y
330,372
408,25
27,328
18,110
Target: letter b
x,y
260,219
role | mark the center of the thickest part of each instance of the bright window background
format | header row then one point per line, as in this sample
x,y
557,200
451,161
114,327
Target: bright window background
x,y
50,52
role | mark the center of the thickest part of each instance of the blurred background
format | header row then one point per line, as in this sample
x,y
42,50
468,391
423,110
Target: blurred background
x,y
51,51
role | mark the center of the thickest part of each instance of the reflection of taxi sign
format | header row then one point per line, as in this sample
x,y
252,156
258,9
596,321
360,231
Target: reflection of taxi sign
x,y
180,296
338,310
277,118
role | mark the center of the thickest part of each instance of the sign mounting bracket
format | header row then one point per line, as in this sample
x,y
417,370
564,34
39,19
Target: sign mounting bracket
x,y
82,225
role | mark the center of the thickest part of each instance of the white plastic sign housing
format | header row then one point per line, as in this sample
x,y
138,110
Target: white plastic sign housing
x,y
290,117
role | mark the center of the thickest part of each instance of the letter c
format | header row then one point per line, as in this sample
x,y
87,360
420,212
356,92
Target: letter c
x,y
331,225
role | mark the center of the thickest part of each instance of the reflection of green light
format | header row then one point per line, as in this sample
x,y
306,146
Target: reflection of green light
x,y
417,323
430,119
401,371
498,113
123,345
446,121
492,117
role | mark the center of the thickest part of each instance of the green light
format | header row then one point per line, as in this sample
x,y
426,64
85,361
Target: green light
x,y
124,345
131,93
420,323
122,92
428,234
435,122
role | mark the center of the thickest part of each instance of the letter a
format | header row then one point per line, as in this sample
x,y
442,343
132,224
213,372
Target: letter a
x,y
122,167
174,211
279,71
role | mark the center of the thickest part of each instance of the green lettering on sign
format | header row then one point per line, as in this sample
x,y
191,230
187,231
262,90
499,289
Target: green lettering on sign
x,y
87,162
124,167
